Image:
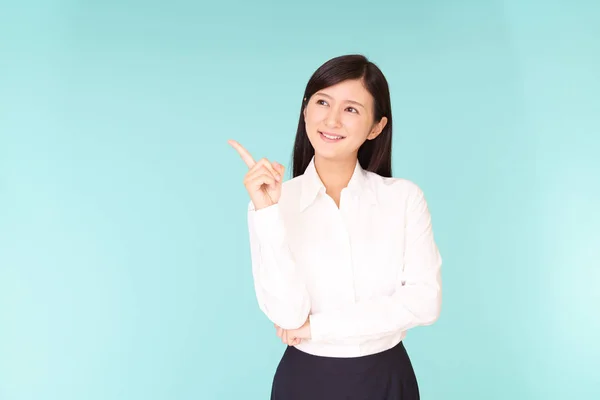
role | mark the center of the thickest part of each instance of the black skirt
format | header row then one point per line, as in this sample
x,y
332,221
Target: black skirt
x,y
387,375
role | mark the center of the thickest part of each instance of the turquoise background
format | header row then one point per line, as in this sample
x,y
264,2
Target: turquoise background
x,y
124,257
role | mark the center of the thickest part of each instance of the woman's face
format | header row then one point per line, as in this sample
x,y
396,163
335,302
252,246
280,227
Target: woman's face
x,y
339,119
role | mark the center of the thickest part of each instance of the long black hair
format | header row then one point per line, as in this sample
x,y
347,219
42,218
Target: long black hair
x,y
374,155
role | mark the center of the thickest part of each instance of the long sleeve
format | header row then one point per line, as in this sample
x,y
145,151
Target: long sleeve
x,y
280,291
415,301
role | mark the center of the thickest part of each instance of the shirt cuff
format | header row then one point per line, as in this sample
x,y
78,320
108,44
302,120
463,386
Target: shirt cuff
x,y
268,224
318,328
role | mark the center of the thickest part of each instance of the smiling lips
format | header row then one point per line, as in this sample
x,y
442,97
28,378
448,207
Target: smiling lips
x,y
328,137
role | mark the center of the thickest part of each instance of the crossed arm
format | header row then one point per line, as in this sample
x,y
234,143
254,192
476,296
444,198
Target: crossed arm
x,y
283,297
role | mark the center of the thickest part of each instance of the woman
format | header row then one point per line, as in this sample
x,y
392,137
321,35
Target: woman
x,y
343,255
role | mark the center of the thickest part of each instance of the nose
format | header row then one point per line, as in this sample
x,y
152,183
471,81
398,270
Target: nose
x,y
332,119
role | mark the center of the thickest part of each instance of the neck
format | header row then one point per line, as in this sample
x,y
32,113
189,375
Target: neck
x,y
335,175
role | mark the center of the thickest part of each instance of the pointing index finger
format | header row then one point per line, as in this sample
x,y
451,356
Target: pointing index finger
x,y
243,153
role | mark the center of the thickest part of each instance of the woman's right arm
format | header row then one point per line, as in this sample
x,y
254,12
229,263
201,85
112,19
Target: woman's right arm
x,y
280,290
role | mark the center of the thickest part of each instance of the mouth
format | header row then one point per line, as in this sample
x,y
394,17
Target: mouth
x,y
328,137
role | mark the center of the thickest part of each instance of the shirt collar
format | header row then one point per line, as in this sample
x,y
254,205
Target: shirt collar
x,y
359,185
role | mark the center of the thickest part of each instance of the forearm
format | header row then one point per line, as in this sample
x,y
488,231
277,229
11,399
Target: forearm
x,y
410,306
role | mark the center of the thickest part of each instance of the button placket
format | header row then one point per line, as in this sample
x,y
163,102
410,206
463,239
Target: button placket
x,y
347,207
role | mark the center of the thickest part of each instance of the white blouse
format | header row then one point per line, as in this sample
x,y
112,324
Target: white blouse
x,y
364,273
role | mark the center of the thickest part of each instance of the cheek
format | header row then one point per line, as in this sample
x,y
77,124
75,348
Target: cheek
x,y
309,123
313,117
356,126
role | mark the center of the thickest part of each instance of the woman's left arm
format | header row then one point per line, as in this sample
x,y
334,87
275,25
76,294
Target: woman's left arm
x,y
417,298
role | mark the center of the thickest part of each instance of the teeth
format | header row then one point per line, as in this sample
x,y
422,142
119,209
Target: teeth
x,y
332,137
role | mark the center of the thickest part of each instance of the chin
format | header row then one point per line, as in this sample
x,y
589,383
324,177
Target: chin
x,y
330,154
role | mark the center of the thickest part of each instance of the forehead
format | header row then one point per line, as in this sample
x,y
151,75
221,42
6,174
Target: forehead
x,y
353,90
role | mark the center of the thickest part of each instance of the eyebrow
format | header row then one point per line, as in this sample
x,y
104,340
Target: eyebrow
x,y
347,101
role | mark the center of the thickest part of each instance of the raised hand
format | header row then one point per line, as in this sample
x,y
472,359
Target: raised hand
x,y
263,180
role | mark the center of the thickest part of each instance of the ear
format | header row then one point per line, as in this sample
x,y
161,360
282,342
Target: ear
x,y
304,108
378,128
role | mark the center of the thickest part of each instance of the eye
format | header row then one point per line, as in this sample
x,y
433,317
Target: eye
x,y
322,102
352,110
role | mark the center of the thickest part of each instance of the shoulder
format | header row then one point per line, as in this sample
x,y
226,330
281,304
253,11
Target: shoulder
x,y
291,189
394,190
